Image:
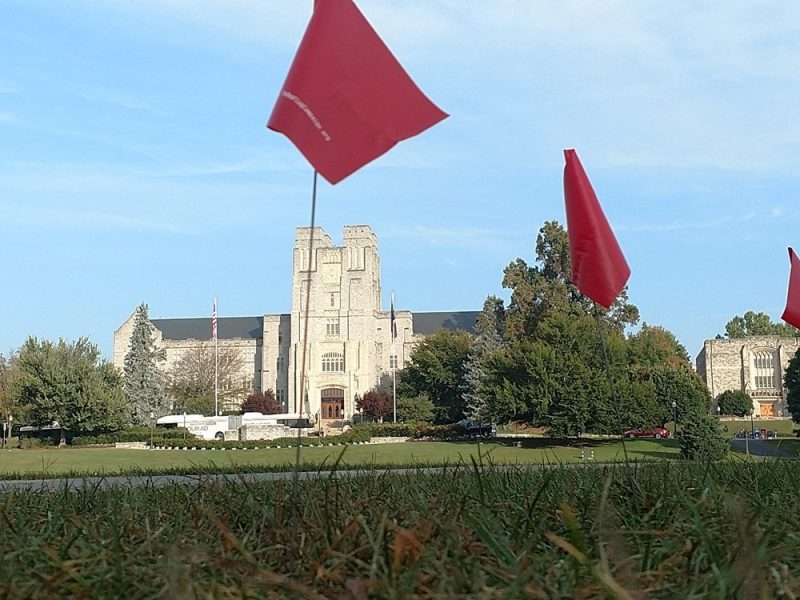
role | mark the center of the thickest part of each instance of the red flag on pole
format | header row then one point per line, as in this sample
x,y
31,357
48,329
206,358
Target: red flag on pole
x,y
599,269
346,99
791,313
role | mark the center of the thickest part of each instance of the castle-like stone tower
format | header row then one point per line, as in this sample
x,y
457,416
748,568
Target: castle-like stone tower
x,y
753,364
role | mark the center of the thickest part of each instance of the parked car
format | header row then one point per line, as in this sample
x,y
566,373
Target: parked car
x,y
771,434
658,433
476,429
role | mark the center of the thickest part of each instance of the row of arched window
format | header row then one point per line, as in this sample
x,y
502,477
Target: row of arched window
x,y
332,362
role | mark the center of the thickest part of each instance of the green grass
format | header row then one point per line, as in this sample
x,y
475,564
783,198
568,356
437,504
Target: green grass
x,y
784,427
792,446
108,461
661,530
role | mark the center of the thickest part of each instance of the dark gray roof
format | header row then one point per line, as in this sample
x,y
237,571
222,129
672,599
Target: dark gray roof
x,y
200,329
425,323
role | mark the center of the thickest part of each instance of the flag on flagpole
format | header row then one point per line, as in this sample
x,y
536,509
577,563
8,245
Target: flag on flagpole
x,y
214,321
393,320
346,99
599,268
791,313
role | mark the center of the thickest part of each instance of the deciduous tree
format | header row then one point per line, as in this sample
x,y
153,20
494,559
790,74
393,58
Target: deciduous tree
x,y
374,405
436,368
735,402
757,323
190,380
69,384
263,402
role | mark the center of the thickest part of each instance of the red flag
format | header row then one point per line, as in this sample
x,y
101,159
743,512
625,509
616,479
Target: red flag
x,y
599,269
791,313
346,99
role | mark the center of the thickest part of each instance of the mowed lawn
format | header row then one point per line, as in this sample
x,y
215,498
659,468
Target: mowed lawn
x,y
107,461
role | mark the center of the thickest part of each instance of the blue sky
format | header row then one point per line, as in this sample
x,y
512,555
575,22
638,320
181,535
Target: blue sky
x,y
135,165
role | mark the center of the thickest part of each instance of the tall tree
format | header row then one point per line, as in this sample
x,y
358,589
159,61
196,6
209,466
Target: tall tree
x,y
546,288
436,368
757,323
190,380
143,380
791,381
653,345
488,338
418,409
68,383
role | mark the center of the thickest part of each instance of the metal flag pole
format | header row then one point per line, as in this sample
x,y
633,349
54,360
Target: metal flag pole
x,y
216,360
393,333
303,383
614,397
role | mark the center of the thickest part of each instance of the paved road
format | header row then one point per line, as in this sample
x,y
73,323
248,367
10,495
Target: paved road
x,y
760,448
161,480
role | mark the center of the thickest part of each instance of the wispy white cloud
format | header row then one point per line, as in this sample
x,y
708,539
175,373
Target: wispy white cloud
x,y
771,214
120,99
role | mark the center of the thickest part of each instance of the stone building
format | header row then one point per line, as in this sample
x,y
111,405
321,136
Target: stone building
x,y
349,345
754,364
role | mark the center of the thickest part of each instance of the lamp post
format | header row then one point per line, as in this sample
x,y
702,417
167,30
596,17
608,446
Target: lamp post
x,y
8,429
184,426
748,434
152,417
674,418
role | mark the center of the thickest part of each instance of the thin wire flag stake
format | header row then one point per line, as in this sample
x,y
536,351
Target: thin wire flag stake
x,y
614,396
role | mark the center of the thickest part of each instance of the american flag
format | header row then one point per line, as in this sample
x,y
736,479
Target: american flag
x,y
214,320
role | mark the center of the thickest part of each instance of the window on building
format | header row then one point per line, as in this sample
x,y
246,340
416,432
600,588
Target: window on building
x,y
280,396
393,361
332,362
764,367
332,326
281,363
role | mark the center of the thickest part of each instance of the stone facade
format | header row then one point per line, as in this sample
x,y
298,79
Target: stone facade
x,y
336,312
754,364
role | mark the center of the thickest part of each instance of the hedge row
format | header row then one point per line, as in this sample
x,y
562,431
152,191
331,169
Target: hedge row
x,y
351,437
134,434
418,432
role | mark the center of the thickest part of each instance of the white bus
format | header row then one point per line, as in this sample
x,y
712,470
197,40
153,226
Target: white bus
x,y
215,428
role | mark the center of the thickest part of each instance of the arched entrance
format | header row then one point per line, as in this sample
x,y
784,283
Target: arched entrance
x,y
332,404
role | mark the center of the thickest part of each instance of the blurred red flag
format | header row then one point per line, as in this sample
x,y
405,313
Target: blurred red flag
x,y
791,313
346,99
599,269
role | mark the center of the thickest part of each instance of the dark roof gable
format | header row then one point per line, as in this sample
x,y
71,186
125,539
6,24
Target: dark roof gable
x,y
425,323
228,328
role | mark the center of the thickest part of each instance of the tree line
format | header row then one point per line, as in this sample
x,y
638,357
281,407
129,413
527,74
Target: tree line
x,y
540,359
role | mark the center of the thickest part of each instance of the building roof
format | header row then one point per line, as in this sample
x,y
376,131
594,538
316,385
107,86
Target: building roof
x,y
228,328
425,323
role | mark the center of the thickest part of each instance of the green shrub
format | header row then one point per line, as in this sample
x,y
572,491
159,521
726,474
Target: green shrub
x,y
349,437
418,431
702,438
33,442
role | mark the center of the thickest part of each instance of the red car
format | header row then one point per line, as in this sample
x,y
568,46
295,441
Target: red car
x,y
658,433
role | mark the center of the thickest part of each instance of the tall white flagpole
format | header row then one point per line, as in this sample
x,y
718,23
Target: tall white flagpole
x,y
216,357
393,328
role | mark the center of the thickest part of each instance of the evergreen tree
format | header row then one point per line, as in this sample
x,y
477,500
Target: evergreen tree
x,y
791,380
489,331
143,381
